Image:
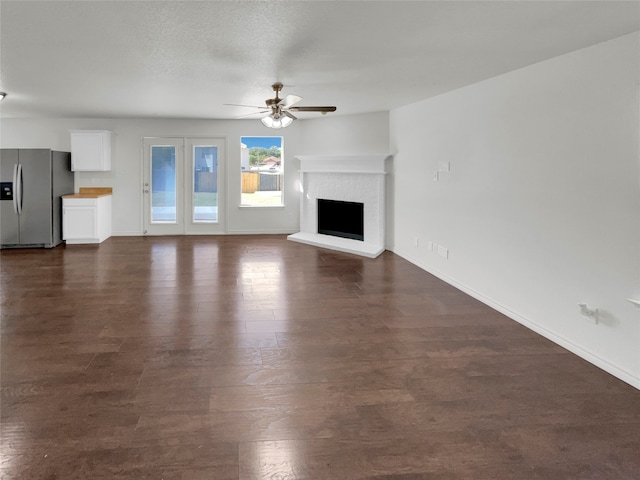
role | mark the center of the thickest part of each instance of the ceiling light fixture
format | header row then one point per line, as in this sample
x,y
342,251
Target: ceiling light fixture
x,y
278,119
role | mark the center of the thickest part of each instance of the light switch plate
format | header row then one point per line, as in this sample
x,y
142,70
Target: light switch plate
x,y
443,252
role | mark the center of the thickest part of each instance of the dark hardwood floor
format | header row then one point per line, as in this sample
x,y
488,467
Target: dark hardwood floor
x,y
252,357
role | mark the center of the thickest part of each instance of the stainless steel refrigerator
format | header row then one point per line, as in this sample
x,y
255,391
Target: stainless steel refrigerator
x,y
32,182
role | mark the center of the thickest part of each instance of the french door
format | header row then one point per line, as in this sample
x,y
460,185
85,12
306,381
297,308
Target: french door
x,y
183,185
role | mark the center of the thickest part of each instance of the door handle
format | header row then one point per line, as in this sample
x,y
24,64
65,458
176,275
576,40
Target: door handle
x,y
14,199
19,196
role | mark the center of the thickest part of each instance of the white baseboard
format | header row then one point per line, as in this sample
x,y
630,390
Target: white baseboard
x,y
127,234
231,232
260,232
599,362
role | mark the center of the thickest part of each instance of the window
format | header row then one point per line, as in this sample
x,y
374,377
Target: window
x,y
262,171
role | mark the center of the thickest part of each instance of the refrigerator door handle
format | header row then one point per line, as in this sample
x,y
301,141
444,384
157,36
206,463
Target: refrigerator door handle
x,y
14,198
19,199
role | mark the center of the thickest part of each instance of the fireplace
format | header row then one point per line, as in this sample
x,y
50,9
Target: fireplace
x,y
349,179
341,219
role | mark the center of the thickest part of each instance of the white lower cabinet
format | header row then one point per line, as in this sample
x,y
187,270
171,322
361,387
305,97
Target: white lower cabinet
x,y
86,220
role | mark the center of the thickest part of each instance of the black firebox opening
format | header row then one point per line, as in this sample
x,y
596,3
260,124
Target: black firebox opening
x,y
341,219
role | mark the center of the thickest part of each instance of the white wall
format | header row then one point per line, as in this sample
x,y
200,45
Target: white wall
x,y
541,208
126,174
346,135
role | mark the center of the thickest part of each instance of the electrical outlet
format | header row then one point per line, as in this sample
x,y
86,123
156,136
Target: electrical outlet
x,y
443,251
416,241
436,176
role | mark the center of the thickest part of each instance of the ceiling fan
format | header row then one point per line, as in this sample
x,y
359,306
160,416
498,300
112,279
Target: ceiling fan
x,y
279,109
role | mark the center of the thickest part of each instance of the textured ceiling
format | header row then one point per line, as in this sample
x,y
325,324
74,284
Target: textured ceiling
x,y
186,59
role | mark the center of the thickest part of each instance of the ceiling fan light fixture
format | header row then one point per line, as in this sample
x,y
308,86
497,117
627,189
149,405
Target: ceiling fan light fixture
x,y
267,121
276,121
286,121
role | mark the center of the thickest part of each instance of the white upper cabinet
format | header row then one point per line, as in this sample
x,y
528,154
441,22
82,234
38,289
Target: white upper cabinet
x,y
90,150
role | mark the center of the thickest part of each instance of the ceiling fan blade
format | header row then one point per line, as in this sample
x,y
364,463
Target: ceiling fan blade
x,y
289,100
254,113
313,109
289,114
238,105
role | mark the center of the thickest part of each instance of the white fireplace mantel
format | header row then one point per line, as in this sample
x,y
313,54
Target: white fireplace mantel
x,y
372,164
350,178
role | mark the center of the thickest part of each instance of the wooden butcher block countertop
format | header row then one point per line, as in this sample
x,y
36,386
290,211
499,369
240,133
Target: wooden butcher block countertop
x,y
91,192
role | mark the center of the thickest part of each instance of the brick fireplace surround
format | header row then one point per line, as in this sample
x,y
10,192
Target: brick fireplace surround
x,y
349,178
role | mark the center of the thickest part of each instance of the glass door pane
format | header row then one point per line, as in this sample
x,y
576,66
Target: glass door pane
x,y
205,184
163,184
